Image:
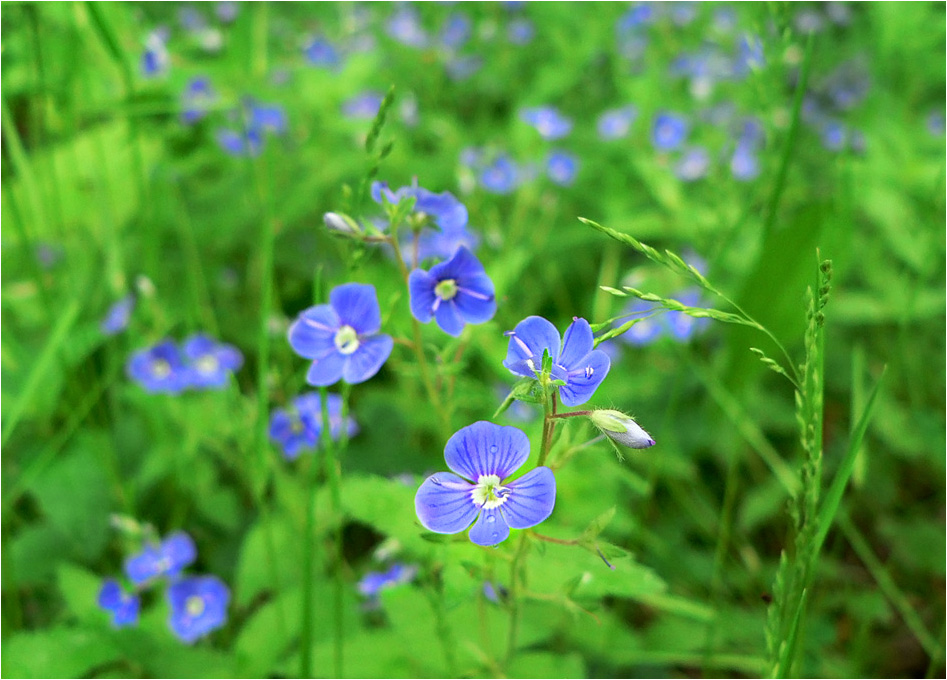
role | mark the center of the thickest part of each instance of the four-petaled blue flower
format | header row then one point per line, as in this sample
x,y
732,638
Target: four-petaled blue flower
x,y
116,320
123,606
501,176
198,606
167,559
197,97
693,164
300,427
455,293
481,457
342,337
576,362
615,123
362,106
210,363
320,52
668,132
561,167
159,369
548,121
375,581
443,208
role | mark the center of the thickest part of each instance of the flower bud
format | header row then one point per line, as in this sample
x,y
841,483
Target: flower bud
x,y
341,225
621,428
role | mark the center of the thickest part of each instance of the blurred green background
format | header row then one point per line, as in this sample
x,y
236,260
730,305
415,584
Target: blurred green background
x,y
117,182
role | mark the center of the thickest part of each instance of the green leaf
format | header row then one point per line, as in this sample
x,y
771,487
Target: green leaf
x,y
57,653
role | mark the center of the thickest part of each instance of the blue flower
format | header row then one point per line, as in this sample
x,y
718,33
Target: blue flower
x,y
575,361
159,368
682,326
405,27
116,320
123,606
197,97
483,455
834,135
455,293
210,363
615,123
647,329
165,559
693,164
462,67
442,243
935,123
561,168
226,10
342,337
320,52
501,176
300,427
548,121
456,31
198,606
443,208
744,164
520,31
362,106
267,117
397,574
234,143
155,59
678,325
668,131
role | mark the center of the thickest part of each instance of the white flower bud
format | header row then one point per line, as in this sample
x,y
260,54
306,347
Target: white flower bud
x,y
343,225
621,428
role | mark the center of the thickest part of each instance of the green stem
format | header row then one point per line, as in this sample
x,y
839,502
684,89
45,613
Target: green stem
x,y
309,551
515,598
334,475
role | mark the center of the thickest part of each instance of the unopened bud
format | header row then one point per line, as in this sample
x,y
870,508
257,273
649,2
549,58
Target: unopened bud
x,y
621,428
342,225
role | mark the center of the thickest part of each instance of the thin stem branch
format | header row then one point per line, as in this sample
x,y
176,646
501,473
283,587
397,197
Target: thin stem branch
x,y
334,475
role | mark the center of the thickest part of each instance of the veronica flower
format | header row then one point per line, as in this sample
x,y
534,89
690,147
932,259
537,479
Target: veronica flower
x,y
935,123
210,363
693,164
226,10
234,143
197,97
198,606
681,325
621,428
374,582
159,368
455,293
574,360
520,31
494,592
320,52
462,67
561,168
456,31
834,135
362,106
267,117
405,27
116,320
501,176
481,457
300,427
121,605
744,164
615,123
548,121
442,243
165,559
668,132
647,329
444,209
155,59
342,337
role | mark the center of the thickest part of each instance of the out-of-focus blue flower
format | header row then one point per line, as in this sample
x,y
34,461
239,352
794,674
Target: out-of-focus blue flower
x,y
744,163
165,559
520,31
121,605
834,135
116,319
443,209
647,329
494,592
640,14
342,337
612,349
809,21
155,59
159,368
226,10
561,168
749,54
320,52
440,244
48,255
455,293
501,176
725,19
838,12
547,120
693,164
615,123
405,27
678,325
197,97
267,117
300,427
191,20
574,360
235,143
210,363
683,13
668,131
482,456
518,411
362,106
397,574
462,67
198,606
935,123
456,31
682,326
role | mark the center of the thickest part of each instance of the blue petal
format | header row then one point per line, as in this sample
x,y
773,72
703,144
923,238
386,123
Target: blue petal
x,y
583,382
326,370
367,359
229,357
486,449
449,319
357,306
421,287
491,528
527,341
443,504
531,500
110,595
198,345
474,304
144,565
180,551
576,344
462,264
312,335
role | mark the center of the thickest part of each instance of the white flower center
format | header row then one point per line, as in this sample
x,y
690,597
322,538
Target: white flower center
x,y
488,493
346,340
207,364
446,290
160,368
194,605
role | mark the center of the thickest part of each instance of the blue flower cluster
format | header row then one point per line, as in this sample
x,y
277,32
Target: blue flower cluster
x,y
373,582
198,603
200,363
299,428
